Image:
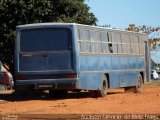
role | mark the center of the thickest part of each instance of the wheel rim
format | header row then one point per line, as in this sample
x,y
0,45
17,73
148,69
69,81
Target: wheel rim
x,y
105,87
139,84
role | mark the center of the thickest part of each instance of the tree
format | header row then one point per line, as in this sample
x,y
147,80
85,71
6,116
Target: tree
x,y
18,12
144,28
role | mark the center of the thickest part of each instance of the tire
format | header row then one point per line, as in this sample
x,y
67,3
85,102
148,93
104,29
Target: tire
x,y
137,88
139,84
103,91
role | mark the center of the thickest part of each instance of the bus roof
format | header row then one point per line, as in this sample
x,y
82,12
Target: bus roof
x,y
44,24
72,24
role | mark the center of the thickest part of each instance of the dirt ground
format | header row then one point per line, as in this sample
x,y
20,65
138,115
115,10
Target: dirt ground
x,y
116,102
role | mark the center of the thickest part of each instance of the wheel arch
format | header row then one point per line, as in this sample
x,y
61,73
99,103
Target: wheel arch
x,y
142,75
107,75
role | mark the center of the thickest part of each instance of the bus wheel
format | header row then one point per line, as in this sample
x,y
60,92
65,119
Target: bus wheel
x,y
139,84
103,91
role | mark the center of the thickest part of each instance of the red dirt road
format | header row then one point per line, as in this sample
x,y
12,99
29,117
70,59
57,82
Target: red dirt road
x,y
116,102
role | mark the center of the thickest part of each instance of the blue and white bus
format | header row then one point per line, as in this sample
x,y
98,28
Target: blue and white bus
x,y
67,56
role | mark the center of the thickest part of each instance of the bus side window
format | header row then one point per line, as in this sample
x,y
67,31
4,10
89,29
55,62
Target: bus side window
x,y
135,44
93,41
128,47
87,41
104,42
99,42
132,38
109,43
119,43
124,45
81,37
141,45
137,51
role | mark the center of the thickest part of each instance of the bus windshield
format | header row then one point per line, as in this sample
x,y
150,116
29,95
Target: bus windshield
x,y
51,39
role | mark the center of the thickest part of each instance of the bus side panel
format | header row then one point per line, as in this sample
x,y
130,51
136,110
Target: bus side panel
x,y
91,81
95,63
115,79
140,63
115,62
123,63
120,69
130,78
122,79
95,67
92,69
132,60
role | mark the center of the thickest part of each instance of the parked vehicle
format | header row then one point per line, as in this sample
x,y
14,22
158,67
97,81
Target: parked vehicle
x,y
60,57
154,75
6,80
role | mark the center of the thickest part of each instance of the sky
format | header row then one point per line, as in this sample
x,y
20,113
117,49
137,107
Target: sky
x,y
121,13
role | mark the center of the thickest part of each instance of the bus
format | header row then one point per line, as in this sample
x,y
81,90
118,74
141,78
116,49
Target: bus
x,y
62,57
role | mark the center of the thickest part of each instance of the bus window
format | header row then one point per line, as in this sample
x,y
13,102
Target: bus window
x,y
132,37
99,42
136,45
81,40
128,47
93,47
141,45
124,45
82,46
92,35
93,41
42,40
114,42
109,42
104,42
87,41
119,43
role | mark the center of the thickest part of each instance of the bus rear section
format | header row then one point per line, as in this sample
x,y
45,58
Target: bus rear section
x,y
44,58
